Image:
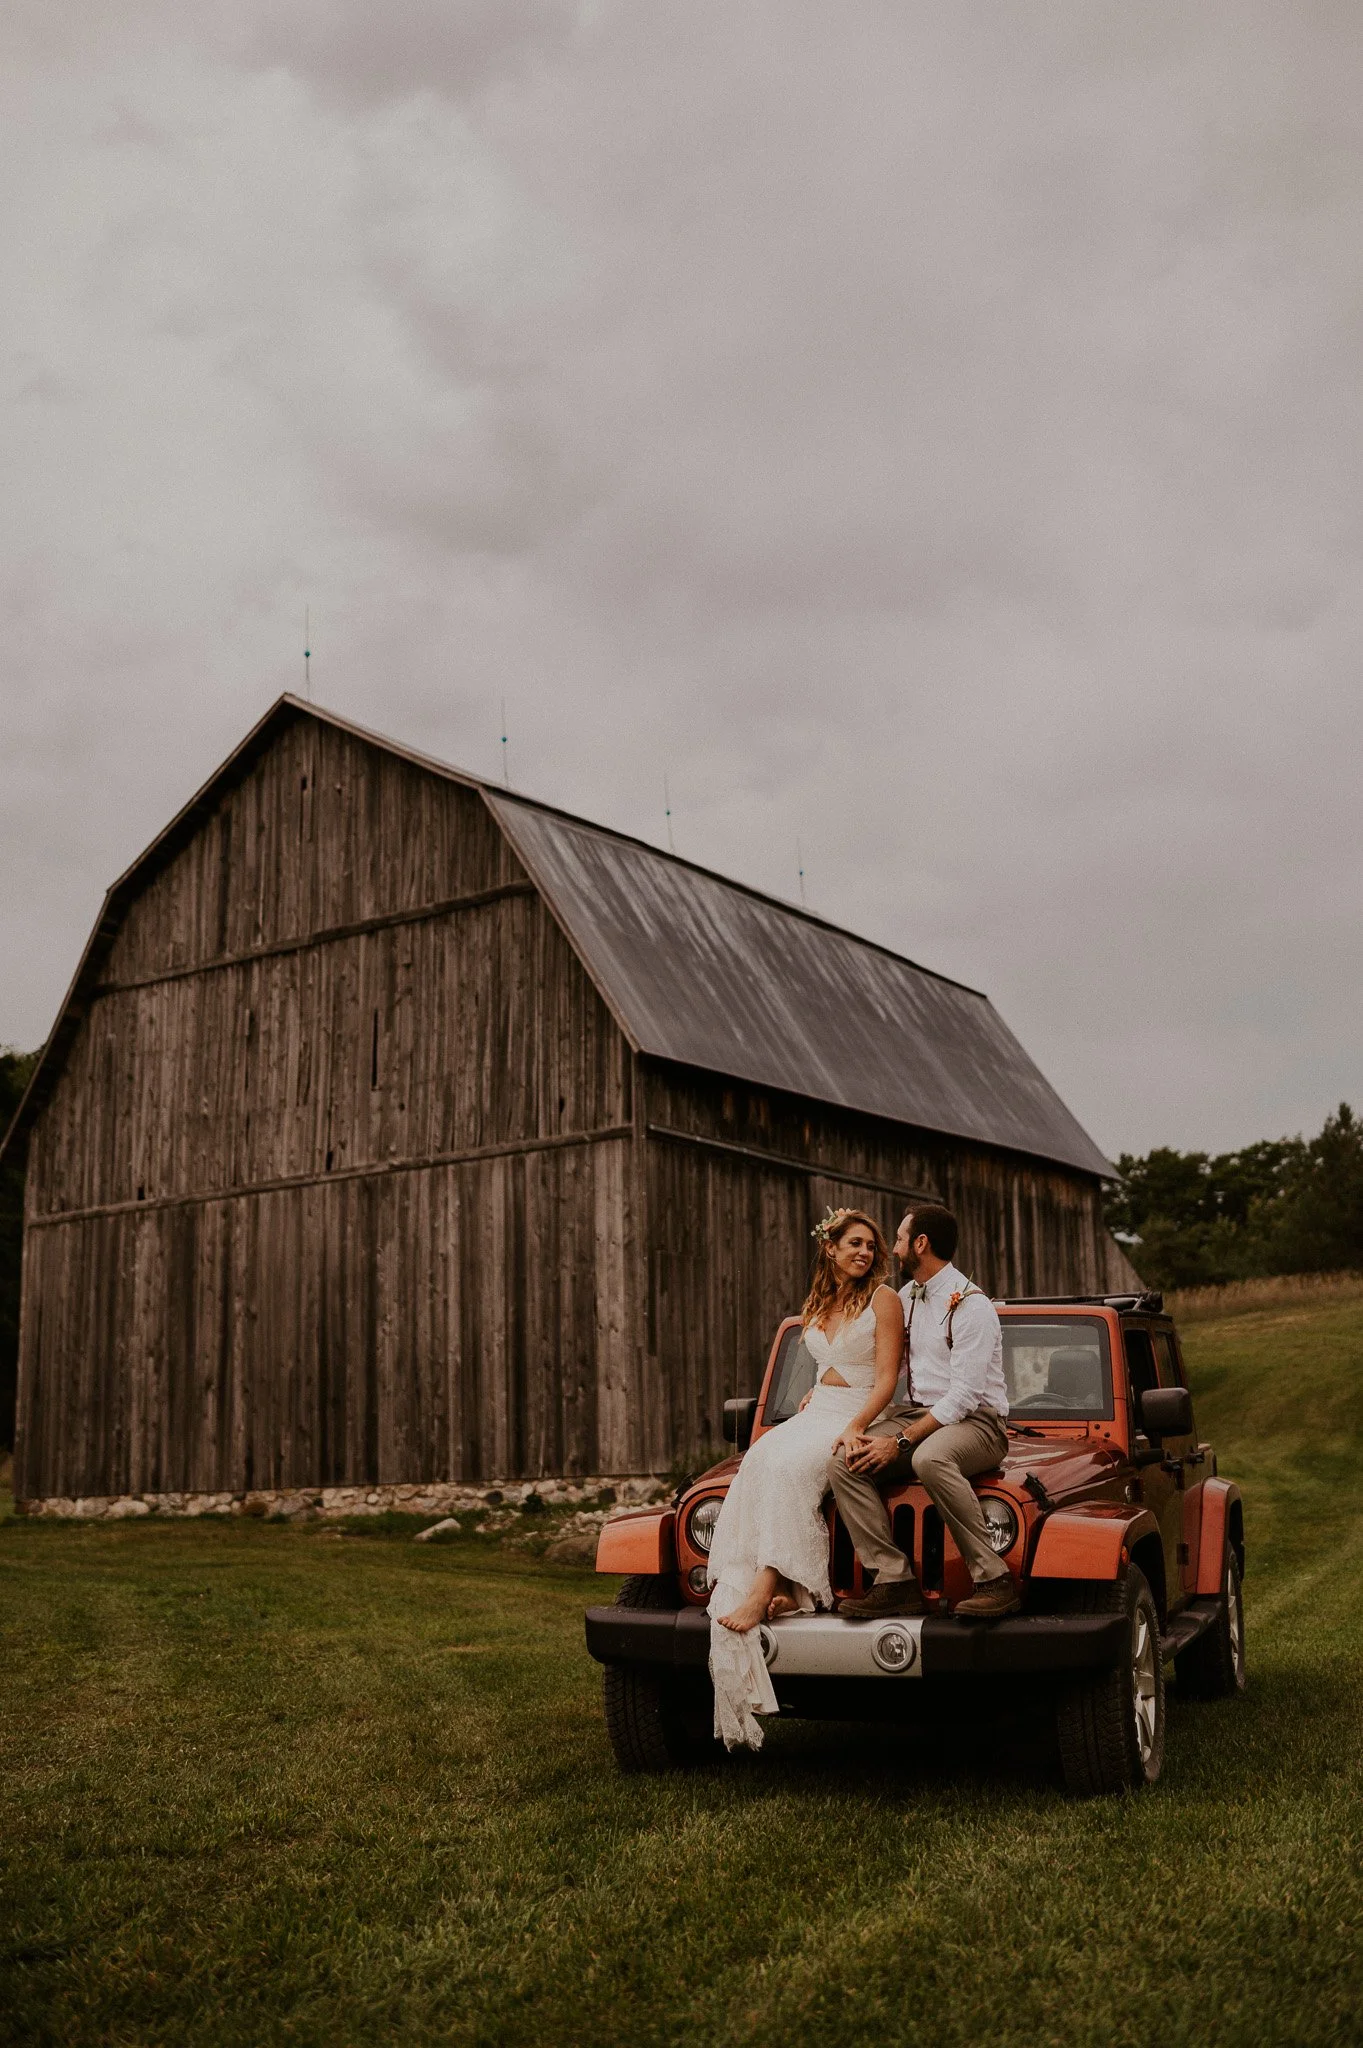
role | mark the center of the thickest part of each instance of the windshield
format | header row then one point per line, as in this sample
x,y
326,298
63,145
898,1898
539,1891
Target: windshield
x,y
792,1377
1057,1371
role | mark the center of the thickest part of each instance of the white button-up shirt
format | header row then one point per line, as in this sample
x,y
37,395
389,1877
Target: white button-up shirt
x,y
953,1383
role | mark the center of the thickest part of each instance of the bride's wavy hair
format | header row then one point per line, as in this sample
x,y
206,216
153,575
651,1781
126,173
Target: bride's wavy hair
x,y
826,1291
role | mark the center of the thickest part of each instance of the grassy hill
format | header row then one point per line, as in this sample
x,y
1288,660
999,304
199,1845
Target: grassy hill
x,y
263,1785
1277,1372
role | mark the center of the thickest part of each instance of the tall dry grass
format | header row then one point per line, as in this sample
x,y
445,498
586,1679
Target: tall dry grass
x,y
1279,1290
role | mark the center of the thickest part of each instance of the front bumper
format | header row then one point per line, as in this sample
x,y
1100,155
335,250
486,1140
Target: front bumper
x,y
827,1646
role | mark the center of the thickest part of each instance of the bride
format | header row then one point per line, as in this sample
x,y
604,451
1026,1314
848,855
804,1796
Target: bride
x,y
769,1556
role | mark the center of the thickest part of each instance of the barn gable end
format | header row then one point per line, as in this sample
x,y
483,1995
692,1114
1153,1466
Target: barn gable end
x,y
337,1066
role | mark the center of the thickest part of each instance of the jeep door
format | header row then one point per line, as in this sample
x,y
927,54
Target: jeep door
x,y
1160,1490
1192,1460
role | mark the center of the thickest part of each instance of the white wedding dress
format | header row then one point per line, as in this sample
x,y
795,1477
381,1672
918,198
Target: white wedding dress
x,y
772,1515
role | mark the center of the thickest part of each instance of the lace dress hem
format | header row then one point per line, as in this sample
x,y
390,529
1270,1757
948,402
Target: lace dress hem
x,y
773,1516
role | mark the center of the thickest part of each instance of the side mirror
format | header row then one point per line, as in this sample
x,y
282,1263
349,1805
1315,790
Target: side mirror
x,y
1166,1411
739,1417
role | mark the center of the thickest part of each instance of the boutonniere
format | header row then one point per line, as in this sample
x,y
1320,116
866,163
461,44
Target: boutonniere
x,y
958,1297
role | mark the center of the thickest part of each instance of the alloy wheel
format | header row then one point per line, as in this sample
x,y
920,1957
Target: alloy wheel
x,y
1235,1621
1144,1677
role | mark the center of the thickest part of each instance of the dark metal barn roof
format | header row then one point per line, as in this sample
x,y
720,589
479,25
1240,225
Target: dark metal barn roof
x,y
700,970
703,971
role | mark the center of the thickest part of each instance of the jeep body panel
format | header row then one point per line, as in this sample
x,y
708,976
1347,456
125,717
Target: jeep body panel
x,y
642,1540
1220,1523
1091,1541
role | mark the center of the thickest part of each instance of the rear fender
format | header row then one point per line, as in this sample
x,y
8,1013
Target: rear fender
x,y
1090,1542
644,1540
1220,1497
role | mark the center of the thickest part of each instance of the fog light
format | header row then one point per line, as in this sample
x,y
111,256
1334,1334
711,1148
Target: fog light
x,y
697,1578
894,1650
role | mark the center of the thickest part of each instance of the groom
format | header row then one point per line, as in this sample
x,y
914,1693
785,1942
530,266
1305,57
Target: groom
x,y
946,1424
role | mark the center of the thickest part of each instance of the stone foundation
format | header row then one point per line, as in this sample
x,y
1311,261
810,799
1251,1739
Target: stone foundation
x,y
332,1503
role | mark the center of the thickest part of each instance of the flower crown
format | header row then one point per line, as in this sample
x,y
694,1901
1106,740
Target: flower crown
x,y
831,1219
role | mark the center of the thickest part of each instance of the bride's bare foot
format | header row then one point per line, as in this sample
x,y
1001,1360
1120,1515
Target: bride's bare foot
x,y
752,1610
747,1616
782,1603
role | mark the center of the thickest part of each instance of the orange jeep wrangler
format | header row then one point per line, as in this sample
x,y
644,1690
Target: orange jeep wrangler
x,y
1127,1547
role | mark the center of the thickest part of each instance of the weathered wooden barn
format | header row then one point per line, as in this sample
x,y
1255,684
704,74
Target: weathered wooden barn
x,y
397,1128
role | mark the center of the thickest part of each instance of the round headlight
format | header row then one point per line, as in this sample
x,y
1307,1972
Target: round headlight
x,y
700,1524
1001,1523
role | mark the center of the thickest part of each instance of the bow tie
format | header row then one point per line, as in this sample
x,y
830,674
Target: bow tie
x,y
918,1290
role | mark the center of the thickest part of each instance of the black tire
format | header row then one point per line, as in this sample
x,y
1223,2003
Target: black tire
x,y
655,1722
1111,1728
641,1589
1213,1667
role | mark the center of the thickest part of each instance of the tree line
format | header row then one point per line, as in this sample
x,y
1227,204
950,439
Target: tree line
x,y
1284,1205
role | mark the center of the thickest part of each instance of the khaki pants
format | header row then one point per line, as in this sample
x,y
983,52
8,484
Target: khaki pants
x,y
944,1463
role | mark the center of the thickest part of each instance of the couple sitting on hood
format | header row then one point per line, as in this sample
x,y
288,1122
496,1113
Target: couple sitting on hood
x,y
907,1384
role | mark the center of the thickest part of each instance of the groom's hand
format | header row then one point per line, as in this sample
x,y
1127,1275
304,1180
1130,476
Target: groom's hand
x,y
871,1453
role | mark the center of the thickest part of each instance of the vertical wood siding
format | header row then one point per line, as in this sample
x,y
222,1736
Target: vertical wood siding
x,y
441,1324
377,1320
729,1248
324,831
472,1029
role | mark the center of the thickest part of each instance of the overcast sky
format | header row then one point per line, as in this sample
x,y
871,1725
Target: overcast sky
x,y
927,433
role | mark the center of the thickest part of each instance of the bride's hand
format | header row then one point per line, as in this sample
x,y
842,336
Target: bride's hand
x,y
849,1443
805,1403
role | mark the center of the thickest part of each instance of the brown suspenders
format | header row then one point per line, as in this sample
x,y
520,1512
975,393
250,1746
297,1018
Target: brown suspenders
x,y
908,1354
914,1300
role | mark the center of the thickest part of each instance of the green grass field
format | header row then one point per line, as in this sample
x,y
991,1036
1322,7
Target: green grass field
x,y
276,1785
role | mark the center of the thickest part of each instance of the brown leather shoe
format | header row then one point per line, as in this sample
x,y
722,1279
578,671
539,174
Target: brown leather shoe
x,y
991,1599
896,1596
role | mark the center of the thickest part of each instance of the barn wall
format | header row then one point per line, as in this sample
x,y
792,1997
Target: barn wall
x,y
259,1252
729,1249
455,1323
323,831
468,1029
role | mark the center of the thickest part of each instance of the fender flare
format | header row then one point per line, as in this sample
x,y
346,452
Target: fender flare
x,y
1090,1542
640,1540
1218,1498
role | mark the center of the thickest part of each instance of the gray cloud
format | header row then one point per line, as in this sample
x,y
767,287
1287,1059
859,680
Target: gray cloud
x,y
929,435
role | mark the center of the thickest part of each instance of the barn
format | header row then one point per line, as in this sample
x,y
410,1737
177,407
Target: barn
x,y
400,1131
